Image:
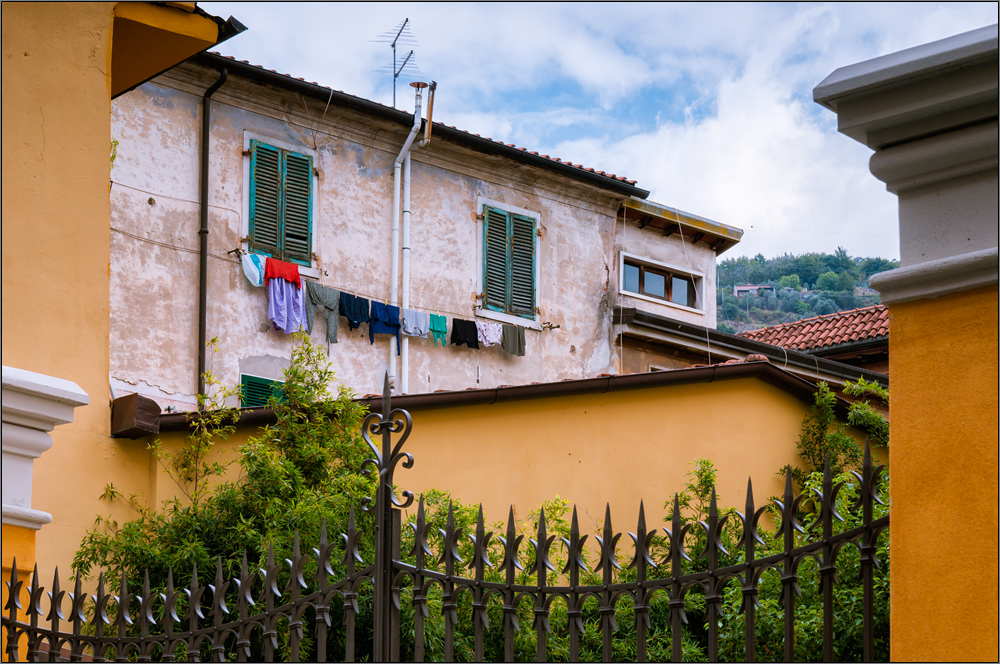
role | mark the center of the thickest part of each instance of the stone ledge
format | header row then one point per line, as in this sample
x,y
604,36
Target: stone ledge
x,y
939,277
25,517
38,401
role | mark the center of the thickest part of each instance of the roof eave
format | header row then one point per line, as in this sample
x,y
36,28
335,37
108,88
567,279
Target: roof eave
x,y
264,76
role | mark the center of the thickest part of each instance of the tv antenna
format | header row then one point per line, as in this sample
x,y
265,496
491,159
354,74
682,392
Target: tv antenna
x,y
403,61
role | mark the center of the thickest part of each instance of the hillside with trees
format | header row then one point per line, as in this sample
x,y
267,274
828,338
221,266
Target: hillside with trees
x,y
803,286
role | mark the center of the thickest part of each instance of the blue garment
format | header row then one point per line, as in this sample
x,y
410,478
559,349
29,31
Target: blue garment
x,y
286,307
354,309
385,320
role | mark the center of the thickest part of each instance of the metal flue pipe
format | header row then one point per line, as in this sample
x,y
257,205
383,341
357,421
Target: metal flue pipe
x,y
396,186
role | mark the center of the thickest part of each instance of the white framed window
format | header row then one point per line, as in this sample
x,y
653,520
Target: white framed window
x,y
508,263
653,281
280,190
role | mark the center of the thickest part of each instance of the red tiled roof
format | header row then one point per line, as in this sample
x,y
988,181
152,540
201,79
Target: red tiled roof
x,y
610,176
824,331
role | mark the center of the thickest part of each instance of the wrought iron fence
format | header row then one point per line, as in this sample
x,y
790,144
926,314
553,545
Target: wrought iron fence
x,y
271,622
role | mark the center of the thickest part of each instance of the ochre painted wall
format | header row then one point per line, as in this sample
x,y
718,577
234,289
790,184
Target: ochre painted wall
x,y
617,448
945,475
56,119
593,449
56,238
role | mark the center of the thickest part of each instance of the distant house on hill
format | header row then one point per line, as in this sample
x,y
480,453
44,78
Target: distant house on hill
x,y
752,289
859,337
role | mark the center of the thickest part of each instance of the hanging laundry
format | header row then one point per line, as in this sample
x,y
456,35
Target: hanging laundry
x,y
439,328
385,320
512,339
355,309
329,300
488,332
274,269
286,307
464,332
253,268
415,323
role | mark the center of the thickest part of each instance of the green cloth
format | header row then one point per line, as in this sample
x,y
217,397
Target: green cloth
x,y
329,299
512,339
439,329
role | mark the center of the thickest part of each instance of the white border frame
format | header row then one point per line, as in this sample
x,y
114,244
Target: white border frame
x,y
482,312
699,282
312,271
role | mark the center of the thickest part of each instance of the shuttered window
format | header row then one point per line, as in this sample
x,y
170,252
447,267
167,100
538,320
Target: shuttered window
x,y
256,391
509,251
280,203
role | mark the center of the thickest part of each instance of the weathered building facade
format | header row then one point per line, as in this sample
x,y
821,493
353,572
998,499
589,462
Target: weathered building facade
x,y
591,240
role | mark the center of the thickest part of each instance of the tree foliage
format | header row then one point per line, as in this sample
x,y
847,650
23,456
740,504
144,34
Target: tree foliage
x,y
289,478
304,469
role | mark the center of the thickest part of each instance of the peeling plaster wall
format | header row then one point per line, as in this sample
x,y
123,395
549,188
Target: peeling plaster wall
x,y
154,266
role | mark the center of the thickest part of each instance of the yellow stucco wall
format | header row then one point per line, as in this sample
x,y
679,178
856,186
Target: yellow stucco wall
x,y
19,546
56,119
617,448
56,237
592,449
944,481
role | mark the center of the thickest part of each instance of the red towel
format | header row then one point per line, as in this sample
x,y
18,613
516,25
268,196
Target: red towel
x,y
275,269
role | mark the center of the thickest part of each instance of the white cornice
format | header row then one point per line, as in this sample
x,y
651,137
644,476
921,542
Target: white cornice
x,y
25,517
920,92
938,277
38,401
33,405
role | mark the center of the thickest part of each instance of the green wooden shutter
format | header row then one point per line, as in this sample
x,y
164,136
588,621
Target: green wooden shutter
x,y
495,279
256,391
297,201
265,199
522,266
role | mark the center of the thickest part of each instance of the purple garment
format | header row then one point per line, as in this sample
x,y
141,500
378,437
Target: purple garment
x,y
286,308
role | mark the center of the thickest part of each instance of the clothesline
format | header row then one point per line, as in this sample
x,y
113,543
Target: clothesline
x,y
293,305
440,312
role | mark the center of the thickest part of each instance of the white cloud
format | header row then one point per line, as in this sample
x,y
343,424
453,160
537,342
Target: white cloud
x,y
601,84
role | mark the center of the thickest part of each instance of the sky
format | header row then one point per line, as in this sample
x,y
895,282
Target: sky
x,y
707,106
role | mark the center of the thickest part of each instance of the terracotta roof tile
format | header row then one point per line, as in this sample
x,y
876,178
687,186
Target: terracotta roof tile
x,y
825,331
610,176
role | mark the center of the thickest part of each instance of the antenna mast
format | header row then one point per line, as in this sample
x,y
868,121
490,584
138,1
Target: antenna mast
x,y
400,36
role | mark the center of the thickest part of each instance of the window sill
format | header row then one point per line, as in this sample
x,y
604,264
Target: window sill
x,y
665,303
508,318
313,273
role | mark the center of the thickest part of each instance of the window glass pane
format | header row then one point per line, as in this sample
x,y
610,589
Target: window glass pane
x,y
654,284
683,291
631,282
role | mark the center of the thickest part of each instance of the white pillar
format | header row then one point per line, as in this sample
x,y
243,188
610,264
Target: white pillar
x,y
33,405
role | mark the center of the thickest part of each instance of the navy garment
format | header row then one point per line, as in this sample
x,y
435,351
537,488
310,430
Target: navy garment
x,y
464,332
385,320
354,309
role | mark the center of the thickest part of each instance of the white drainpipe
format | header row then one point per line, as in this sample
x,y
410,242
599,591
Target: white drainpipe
x,y
396,168
404,382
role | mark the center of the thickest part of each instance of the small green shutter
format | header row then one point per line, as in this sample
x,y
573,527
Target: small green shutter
x,y
265,199
522,265
297,204
495,278
256,391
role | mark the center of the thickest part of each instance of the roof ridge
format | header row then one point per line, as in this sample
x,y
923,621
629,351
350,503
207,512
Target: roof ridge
x,y
802,321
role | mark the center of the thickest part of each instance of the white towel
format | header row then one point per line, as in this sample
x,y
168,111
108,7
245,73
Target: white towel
x,y
253,268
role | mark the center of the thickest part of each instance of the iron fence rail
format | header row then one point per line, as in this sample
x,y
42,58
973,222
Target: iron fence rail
x,y
198,620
